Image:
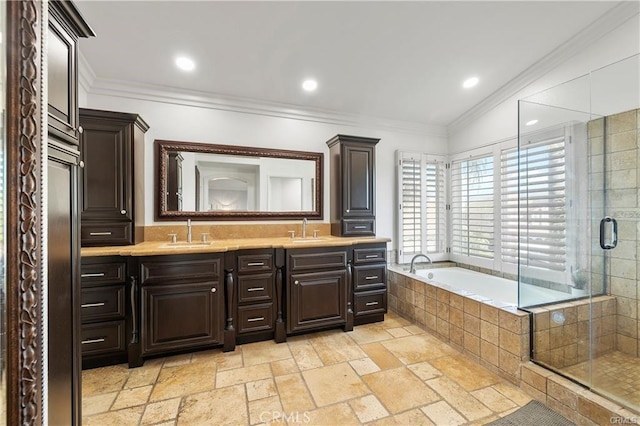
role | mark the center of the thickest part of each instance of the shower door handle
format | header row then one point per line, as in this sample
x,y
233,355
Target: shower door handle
x,y
614,233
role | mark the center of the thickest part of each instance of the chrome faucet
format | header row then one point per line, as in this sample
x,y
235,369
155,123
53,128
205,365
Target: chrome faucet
x,y
412,269
188,231
304,227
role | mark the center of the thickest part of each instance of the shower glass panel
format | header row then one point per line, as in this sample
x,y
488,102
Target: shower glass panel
x,y
579,229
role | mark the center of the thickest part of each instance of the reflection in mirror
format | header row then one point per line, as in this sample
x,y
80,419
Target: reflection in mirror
x,y
230,182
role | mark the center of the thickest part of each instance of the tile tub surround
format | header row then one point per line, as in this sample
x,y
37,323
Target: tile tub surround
x,y
495,335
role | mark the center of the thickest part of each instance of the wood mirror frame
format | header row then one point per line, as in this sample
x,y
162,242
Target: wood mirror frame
x,y
164,147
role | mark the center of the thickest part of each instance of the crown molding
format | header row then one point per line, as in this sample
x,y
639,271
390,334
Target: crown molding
x,y
611,20
170,95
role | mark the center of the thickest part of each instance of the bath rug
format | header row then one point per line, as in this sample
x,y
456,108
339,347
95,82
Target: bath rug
x,y
533,414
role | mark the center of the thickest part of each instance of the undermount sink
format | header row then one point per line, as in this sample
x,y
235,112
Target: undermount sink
x,y
184,244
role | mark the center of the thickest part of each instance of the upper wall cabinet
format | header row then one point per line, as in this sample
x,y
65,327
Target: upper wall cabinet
x,y
111,209
65,27
353,185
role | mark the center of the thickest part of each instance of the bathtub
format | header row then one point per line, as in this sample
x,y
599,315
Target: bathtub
x,y
490,287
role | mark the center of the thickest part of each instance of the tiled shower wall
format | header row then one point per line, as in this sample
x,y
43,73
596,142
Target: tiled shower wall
x,y
617,169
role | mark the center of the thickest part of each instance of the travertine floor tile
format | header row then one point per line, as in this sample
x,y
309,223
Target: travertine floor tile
x,y
413,349
294,394
128,416
286,366
465,372
177,360
222,360
242,375
381,356
334,383
104,380
424,370
264,410
370,333
455,395
162,411
261,389
97,403
441,413
399,389
368,408
183,380
215,408
364,366
305,356
145,375
263,352
336,347
493,399
513,393
414,329
132,397
399,332
338,414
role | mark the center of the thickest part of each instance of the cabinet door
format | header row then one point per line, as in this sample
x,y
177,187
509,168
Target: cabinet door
x,y
106,176
63,369
181,316
358,180
317,299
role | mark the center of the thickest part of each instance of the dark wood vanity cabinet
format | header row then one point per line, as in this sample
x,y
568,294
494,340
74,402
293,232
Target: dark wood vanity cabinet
x,y
182,302
103,310
318,289
352,180
369,282
255,294
111,144
63,370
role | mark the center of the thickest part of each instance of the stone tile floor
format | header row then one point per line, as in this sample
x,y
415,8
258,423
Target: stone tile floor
x,y
615,374
386,373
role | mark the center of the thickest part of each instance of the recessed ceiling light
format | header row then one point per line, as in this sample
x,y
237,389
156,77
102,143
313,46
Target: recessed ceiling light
x,y
185,64
531,122
470,82
310,85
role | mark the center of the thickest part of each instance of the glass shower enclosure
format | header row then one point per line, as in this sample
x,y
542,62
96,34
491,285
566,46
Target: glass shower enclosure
x,y
579,228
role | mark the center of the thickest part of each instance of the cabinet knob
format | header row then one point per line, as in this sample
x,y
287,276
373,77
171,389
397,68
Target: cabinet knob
x,y
81,164
296,282
213,290
80,130
123,212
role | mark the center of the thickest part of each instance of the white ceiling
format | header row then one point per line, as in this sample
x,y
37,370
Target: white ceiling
x,y
393,60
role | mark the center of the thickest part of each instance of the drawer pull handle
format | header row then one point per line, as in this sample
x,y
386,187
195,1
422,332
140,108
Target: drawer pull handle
x,y
92,305
255,289
371,256
372,277
360,227
255,264
255,319
97,234
213,290
371,303
90,341
95,275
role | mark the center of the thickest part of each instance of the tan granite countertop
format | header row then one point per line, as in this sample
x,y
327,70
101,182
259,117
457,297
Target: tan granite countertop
x,y
153,248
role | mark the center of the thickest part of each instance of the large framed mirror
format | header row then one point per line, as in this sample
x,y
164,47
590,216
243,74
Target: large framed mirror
x,y
224,182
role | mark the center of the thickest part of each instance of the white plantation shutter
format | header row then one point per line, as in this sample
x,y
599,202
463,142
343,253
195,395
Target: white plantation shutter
x,y
422,224
542,204
472,205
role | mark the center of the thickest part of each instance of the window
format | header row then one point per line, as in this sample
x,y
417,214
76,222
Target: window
x,y
472,206
422,224
542,204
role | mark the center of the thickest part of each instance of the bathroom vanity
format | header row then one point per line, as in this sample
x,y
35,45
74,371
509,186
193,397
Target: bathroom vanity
x,y
156,298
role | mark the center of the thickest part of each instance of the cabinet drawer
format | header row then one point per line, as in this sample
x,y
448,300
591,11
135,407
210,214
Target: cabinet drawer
x,y
370,302
358,227
255,318
255,288
102,338
317,260
369,277
100,303
255,263
163,269
102,273
105,234
370,255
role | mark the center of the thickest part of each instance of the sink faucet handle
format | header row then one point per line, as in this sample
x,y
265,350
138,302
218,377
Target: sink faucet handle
x,y
174,238
315,233
293,234
204,237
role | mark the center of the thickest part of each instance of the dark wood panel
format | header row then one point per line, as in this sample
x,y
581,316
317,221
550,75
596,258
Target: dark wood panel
x,y
255,263
100,234
369,277
358,181
370,254
310,259
358,227
256,288
101,273
103,338
370,302
317,299
103,303
160,269
255,318
181,316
